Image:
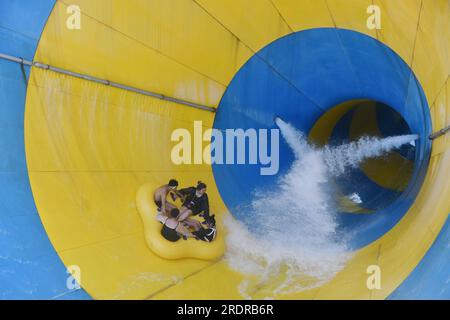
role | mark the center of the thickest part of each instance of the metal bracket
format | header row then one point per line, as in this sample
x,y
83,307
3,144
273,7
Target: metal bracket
x,y
440,133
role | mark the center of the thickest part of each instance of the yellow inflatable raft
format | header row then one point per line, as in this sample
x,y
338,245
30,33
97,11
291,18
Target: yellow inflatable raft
x,y
190,248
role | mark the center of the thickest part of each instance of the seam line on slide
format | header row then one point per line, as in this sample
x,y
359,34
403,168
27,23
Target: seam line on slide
x,y
145,45
281,16
331,14
90,244
150,296
271,67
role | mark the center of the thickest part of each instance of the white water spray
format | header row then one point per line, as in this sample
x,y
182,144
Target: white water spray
x,y
350,155
293,245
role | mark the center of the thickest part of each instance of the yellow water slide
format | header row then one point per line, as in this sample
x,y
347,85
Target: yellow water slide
x,y
89,145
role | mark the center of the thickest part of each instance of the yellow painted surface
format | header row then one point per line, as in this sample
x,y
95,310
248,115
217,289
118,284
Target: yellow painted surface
x,y
447,138
146,68
391,172
307,14
90,147
432,53
440,115
255,23
399,25
161,26
321,132
351,15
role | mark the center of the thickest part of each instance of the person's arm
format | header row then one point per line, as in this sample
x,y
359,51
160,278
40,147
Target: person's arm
x,y
173,195
163,203
186,191
161,218
176,194
205,205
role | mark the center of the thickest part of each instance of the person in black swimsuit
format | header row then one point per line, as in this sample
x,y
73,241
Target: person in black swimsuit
x,y
207,234
195,202
172,229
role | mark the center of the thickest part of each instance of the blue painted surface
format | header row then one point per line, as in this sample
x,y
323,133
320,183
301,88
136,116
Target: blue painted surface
x,y
301,76
29,266
390,123
373,196
431,278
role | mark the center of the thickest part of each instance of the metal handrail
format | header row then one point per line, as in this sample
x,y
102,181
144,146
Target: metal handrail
x,y
105,82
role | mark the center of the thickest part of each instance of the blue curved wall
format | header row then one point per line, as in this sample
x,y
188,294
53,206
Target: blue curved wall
x,y
301,76
29,266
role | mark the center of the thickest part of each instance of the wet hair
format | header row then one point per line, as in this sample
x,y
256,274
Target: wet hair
x,y
174,212
200,185
173,183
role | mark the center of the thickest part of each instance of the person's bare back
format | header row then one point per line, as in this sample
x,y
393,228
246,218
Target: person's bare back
x,y
160,197
161,193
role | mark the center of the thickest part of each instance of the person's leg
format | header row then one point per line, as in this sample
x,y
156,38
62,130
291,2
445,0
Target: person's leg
x,y
184,232
184,214
158,205
183,209
192,223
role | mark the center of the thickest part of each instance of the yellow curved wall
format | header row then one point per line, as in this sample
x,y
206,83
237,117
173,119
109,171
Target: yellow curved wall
x,y
89,147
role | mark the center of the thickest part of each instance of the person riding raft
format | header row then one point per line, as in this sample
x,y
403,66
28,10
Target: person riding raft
x,y
195,201
177,223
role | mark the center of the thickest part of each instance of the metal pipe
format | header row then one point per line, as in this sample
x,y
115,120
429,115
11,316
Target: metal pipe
x,y
440,133
105,82
15,59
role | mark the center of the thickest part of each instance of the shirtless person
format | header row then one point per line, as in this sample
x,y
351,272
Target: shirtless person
x,y
160,197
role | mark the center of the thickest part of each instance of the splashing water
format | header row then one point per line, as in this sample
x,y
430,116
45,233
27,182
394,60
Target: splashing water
x,y
293,244
338,159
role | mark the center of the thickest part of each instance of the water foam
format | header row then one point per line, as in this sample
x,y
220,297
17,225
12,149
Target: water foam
x,y
293,244
350,155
